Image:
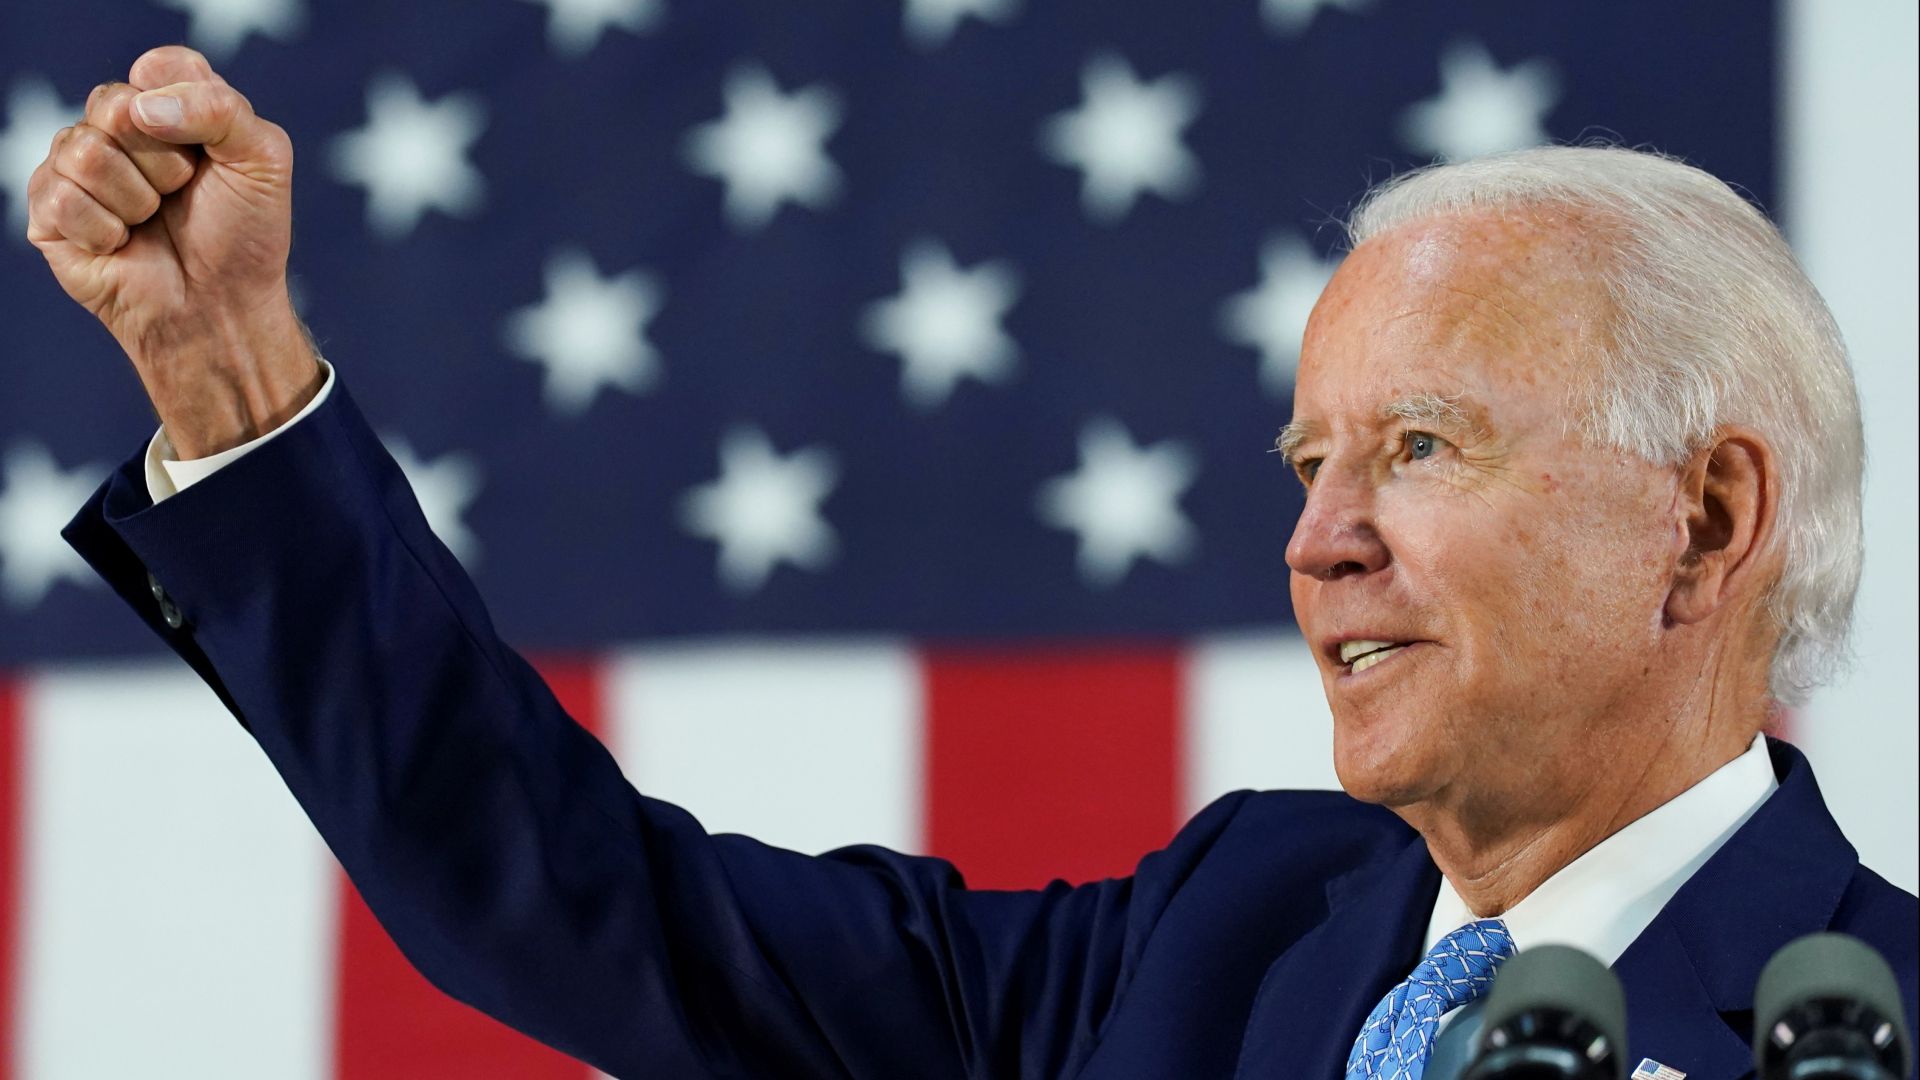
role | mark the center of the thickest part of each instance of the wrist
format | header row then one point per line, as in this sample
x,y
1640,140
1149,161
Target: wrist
x,y
225,383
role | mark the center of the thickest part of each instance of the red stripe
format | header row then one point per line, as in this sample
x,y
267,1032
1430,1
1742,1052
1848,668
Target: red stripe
x,y
1048,764
12,881
393,1025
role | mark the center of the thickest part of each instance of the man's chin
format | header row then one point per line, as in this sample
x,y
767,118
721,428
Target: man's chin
x,y
1384,763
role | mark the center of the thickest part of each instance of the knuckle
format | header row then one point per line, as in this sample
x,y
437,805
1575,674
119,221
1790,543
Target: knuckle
x,y
226,103
110,107
45,183
38,191
66,203
89,155
146,203
101,97
174,170
61,195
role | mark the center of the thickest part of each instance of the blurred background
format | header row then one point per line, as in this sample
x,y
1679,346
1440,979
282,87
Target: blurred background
x,y
858,410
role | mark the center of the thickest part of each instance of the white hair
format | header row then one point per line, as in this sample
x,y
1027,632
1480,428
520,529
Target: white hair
x,y
1715,324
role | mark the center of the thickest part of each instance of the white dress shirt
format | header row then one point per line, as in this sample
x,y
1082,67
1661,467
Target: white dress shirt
x,y
167,475
1599,902
1602,900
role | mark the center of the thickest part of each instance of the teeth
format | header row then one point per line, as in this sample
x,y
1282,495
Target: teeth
x,y
1351,649
1373,658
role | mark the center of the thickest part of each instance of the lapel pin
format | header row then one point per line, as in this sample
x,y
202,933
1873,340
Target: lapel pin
x,y
1649,1069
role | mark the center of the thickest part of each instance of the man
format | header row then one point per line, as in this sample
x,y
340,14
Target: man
x,y
1583,469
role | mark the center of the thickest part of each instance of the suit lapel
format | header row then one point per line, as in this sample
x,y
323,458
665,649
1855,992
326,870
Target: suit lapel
x,y
1689,976
1316,995
1670,1016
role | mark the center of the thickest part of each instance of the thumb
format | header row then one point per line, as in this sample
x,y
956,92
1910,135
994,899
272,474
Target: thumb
x,y
218,118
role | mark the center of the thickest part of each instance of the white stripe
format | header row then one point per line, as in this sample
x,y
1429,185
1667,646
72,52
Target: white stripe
x,y
1852,134
1256,718
178,917
806,747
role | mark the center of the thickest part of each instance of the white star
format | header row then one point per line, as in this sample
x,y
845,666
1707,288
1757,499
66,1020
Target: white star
x,y
1481,109
1272,316
218,27
763,509
945,323
1292,17
35,114
768,148
1125,137
574,27
589,332
36,500
443,488
930,23
1124,502
411,156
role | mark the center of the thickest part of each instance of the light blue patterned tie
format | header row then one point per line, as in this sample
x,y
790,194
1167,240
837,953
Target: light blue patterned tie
x,y
1398,1034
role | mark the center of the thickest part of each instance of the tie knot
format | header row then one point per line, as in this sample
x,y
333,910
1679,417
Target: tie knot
x,y
1461,965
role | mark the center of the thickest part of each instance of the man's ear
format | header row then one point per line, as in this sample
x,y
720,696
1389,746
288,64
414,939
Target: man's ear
x,y
1729,493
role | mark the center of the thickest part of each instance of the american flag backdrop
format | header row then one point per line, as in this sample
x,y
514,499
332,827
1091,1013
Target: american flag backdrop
x,y
857,409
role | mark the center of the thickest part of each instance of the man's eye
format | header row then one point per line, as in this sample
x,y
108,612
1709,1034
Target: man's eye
x,y
1421,445
1308,469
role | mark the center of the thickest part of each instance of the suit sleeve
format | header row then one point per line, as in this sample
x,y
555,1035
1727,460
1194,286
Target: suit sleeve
x,y
501,847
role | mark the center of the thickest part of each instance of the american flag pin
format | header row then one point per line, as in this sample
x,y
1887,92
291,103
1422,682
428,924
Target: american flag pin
x,y
1649,1069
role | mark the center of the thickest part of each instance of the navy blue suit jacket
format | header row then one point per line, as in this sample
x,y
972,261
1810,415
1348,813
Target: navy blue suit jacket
x,y
499,844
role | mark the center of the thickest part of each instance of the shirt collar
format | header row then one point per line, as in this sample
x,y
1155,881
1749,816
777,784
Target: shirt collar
x,y
1602,900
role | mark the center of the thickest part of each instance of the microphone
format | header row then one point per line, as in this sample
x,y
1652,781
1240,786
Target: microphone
x,y
1554,1013
1453,1051
1827,1008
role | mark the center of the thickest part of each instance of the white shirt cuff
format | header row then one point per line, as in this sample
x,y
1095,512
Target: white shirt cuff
x,y
167,475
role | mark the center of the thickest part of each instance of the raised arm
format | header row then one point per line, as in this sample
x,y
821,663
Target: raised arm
x,y
495,839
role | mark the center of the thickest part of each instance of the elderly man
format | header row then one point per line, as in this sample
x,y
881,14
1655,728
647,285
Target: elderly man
x,y
1583,469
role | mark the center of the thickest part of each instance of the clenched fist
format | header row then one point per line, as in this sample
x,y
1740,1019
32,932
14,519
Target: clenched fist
x,y
168,213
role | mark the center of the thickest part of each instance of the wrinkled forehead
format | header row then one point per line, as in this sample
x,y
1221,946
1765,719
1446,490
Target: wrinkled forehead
x,y
1462,302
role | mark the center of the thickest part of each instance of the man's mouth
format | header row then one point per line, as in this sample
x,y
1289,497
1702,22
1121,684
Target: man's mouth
x,y
1361,655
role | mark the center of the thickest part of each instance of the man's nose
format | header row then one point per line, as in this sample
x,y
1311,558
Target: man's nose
x,y
1335,535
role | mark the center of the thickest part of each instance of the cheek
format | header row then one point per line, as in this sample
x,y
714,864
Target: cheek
x,y
1457,554
1591,586
1530,579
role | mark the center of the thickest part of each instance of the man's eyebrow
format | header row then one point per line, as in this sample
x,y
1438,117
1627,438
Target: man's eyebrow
x,y
1456,412
1291,436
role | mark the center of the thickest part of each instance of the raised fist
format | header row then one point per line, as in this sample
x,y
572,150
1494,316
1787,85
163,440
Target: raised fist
x,y
167,212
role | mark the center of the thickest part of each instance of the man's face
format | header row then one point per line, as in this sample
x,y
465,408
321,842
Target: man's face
x,y
1454,512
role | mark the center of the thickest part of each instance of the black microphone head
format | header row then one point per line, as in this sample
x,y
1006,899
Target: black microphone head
x,y
1830,996
1559,997
1453,1051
